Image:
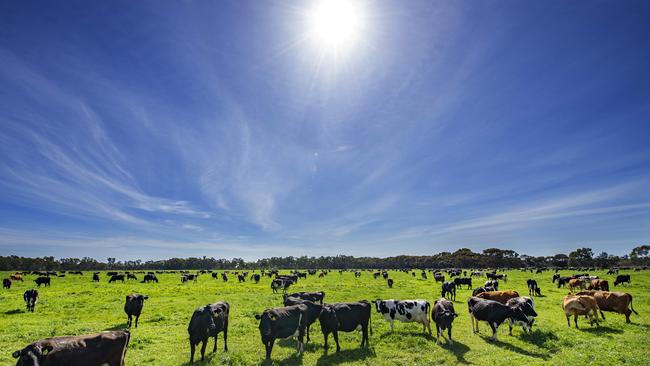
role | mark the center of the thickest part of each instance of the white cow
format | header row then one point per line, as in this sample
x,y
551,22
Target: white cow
x,y
405,311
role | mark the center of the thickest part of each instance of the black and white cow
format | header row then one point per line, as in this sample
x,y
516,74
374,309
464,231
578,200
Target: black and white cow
x,y
493,284
527,305
346,317
277,284
406,311
492,312
533,289
439,277
30,297
478,290
449,288
443,315
283,323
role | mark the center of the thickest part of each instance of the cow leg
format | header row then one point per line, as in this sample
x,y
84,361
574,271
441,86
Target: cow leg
x,y
568,322
437,334
364,334
325,334
510,326
628,312
225,337
214,349
136,320
308,333
575,319
603,315
391,324
192,348
269,348
494,327
335,334
204,343
449,332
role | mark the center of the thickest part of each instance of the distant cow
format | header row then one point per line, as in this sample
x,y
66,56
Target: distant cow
x,y
439,277
224,277
479,290
30,297
95,277
423,275
241,278
616,302
493,284
621,279
390,282
150,277
576,282
443,315
345,317
405,311
282,323
106,348
277,284
602,285
311,296
493,312
6,283
526,305
562,281
131,276
494,276
448,288
133,307
43,281
463,281
16,277
255,277
556,277
498,296
533,289
580,305
208,321
115,278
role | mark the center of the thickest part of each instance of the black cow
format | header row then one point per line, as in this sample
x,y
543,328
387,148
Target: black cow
x,y
556,277
533,289
478,290
443,315
345,317
283,323
492,312
563,281
311,296
114,278
42,281
241,278
30,297
255,277
149,277
463,281
133,307
390,282
527,305
438,277
277,284
224,277
449,288
131,276
95,277
106,348
313,309
621,279
6,283
208,321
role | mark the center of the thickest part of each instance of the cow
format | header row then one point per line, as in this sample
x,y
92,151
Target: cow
x,y
443,315
562,281
357,274
493,284
376,275
533,289
616,302
241,278
345,317
405,311
149,277
283,323
16,277
478,290
43,281
277,284
96,277
115,278
612,271
494,276
463,281
423,275
602,285
448,288
580,305
527,305
556,277
30,297
131,276
255,277
224,277
438,277
493,312
191,277
498,296
6,283
133,307
311,296
313,309
576,282
101,349
183,279
208,321
621,279
390,282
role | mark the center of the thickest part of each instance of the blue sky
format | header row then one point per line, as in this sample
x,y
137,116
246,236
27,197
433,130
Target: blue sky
x,y
153,129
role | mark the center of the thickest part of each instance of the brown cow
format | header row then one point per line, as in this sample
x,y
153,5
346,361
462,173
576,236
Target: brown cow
x,y
616,302
500,296
602,285
106,348
16,277
580,305
576,282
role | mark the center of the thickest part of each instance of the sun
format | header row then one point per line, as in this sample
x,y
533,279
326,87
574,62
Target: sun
x,y
336,24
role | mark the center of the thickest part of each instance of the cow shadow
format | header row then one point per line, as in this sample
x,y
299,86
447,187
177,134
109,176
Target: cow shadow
x,y
14,311
602,330
348,355
121,326
513,348
540,338
458,349
427,336
294,359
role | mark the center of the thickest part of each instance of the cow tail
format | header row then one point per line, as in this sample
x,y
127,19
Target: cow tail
x,y
631,307
370,322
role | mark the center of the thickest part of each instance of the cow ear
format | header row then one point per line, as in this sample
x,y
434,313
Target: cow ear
x,y
16,354
145,297
258,316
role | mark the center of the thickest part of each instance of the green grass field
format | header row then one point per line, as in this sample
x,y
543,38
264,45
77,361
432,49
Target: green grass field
x,y
75,305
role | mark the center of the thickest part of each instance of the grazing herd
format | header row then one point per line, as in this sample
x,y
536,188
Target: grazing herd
x,y
300,310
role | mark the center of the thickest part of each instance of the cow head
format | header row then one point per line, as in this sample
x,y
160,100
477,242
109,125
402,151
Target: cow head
x,y
267,318
32,355
518,315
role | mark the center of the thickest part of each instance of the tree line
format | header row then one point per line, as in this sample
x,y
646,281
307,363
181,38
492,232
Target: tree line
x,y
462,258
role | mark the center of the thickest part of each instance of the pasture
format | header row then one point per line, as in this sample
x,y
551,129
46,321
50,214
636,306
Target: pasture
x,y
75,305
